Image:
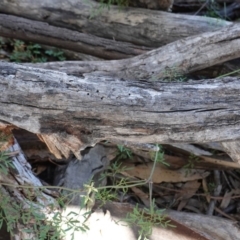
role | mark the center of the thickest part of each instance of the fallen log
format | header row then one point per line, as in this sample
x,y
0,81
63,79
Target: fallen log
x,y
78,112
138,26
72,113
175,59
23,197
43,33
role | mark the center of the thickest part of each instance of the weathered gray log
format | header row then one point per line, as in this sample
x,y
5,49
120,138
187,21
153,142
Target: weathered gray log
x,y
85,110
18,188
138,26
178,58
40,32
133,69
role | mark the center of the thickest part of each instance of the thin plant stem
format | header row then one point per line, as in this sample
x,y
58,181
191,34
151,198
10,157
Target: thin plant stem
x,y
131,184
227,74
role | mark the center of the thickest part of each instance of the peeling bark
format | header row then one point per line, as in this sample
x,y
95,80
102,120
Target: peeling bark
x,y
94,108
120,101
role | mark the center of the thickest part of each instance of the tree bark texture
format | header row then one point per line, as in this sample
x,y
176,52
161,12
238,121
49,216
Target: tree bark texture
x,y
22,192
42,32
86,110
181,57
138,26
121,101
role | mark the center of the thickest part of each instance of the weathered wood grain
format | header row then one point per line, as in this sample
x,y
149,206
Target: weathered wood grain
x,y
44,33
93,108
178,58
138,26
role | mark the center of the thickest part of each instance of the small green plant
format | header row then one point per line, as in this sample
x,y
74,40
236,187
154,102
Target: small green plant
x,y
123,153
36,222
21,51
113,172
5,163
29,52
69,223
145,219
55,53
115,168
26,53
105,195
12,213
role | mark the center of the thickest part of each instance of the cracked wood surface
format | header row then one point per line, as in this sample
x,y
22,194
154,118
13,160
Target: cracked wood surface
x,y
181,57
138,26
44,33
94,108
